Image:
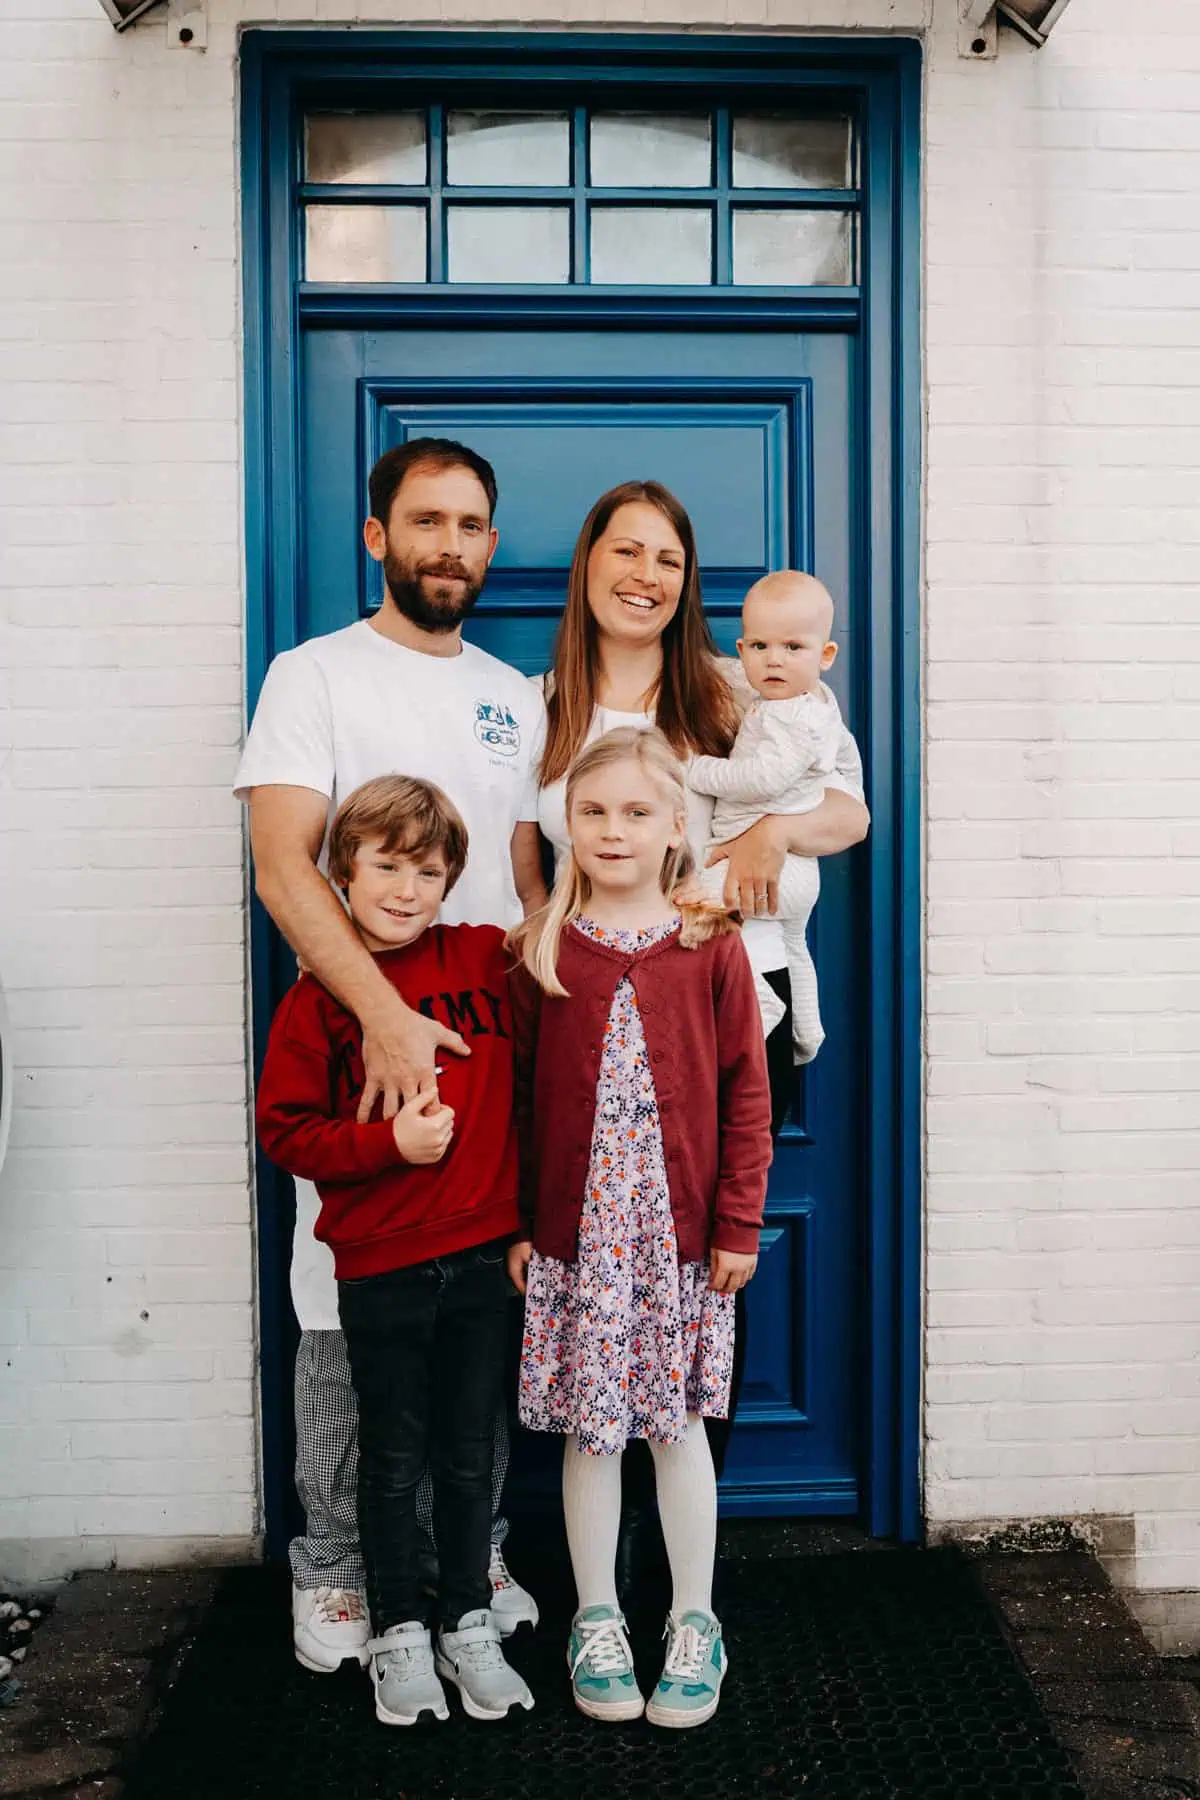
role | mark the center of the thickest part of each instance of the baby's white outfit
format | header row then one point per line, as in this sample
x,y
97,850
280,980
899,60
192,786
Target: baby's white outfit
x,y
783,754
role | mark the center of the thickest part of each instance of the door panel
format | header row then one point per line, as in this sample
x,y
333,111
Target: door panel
x,y
751,430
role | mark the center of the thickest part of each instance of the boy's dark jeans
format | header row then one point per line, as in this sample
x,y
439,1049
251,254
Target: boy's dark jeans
x,y
426,1348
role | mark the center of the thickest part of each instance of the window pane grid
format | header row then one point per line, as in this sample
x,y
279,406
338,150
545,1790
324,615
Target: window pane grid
x,y
825,200
722,249
581,253
564,225
437,209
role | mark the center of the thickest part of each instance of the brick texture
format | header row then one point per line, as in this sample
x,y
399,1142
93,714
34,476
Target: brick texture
x,y
1062,603
1062,703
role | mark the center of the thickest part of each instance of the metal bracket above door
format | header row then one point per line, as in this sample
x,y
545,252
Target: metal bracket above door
x,y
123,13
977,29
187,20
977,22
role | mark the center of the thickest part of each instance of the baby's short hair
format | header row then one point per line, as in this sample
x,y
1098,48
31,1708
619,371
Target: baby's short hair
x,y
412,817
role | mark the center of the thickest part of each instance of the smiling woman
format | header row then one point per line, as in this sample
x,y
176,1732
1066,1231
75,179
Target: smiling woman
x,y
633,639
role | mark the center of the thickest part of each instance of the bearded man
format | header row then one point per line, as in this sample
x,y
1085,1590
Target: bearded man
x,y
397,693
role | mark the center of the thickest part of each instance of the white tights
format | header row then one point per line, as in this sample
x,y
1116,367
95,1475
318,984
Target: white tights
x,y
687,1505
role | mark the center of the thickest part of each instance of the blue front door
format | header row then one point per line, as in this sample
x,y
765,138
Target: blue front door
x,y
597,257
752,431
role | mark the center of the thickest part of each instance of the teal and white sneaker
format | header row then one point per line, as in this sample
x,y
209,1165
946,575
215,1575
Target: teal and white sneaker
x,y
690,1690
601,1665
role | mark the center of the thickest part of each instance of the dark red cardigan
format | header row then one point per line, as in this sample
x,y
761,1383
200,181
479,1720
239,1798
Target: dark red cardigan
x,y
705,1041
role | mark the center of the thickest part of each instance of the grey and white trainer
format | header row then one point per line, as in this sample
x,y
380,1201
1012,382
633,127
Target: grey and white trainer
x,y
512,1605
470,1656
329,1627
404,1677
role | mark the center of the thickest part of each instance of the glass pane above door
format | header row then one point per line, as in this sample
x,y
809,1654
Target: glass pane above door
x,y
791,153
368,148
528,244
792,249
716,197
365,243
508,149
652,246
644,150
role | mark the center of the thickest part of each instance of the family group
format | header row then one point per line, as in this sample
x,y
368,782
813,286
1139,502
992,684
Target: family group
x,y
554,982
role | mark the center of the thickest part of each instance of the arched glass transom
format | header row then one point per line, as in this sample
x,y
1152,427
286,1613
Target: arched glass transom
x,y
580,196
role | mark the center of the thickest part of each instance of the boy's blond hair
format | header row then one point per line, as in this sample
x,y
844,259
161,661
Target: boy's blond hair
x,y
537,939
411,817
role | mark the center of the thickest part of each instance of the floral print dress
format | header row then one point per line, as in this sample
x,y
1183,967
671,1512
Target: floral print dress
x,y
626,1340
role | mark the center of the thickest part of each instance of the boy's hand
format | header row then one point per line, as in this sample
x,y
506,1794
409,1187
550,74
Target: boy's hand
x,y
518,1264
728,1272
423,1127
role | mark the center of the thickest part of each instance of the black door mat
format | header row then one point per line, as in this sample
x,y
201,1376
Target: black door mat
x,y
852,1677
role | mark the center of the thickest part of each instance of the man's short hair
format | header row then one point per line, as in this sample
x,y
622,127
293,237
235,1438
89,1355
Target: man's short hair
x,y
411,817
385,478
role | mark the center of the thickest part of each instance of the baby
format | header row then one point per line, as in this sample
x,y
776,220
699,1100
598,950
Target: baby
x,y
786,747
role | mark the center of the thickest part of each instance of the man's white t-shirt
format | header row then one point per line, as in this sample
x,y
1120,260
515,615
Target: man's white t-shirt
x,y
343,709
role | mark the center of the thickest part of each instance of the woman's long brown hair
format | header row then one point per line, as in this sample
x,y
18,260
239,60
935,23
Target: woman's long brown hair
x,y
693,705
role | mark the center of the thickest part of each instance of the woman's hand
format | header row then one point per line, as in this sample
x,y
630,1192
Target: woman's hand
x,y
755,860
518,1264
400,1050
728,1272
423,1127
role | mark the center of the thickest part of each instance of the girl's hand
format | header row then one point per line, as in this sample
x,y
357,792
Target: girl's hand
x,y
518,1263
423,1127
729,1272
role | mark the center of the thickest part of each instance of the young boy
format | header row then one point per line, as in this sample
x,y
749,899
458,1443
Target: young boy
x,y
418,1212
785,749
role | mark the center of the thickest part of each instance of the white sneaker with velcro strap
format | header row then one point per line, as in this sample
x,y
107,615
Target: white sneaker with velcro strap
x,y
470,1656
404,1677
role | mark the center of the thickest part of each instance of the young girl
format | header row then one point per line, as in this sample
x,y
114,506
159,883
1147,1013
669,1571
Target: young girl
x,y
645,1123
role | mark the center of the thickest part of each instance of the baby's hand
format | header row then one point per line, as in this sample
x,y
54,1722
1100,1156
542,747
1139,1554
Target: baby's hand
x,y
729,1272
518,1263
423,1127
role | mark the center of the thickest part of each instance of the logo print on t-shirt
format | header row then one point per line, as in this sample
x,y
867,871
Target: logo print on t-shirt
x,y
496,728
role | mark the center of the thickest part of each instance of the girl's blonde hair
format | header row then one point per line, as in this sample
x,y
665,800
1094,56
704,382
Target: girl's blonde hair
x,y
536,940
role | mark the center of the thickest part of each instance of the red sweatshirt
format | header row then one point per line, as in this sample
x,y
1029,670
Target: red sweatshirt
x,y
377,1211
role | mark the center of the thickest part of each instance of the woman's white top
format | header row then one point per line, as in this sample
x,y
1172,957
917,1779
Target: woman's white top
x,y
552,800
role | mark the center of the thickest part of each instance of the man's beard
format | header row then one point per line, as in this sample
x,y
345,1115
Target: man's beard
x,y
425,594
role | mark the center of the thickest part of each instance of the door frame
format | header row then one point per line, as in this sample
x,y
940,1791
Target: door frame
x,y
283,70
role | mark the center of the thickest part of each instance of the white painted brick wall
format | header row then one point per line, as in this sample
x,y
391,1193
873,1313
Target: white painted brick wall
x,y
127,1394
1062,650
1062,634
